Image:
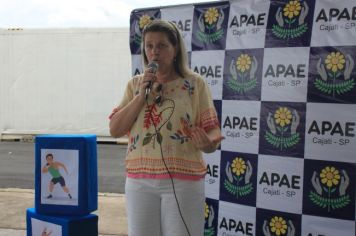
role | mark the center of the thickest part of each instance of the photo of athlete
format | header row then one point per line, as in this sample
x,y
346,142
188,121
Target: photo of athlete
x,y
45,233
52,167
44,228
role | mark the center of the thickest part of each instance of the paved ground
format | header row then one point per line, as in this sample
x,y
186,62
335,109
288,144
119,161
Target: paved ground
x,y
17,188
14,202
17,166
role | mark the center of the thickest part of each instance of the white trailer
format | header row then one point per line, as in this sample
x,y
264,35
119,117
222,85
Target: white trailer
x,y
61,80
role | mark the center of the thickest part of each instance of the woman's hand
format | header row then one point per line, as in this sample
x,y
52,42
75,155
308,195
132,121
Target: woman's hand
x,y
148,79
122,118
206,142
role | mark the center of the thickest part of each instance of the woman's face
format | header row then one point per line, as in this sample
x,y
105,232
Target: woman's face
x,y
158,48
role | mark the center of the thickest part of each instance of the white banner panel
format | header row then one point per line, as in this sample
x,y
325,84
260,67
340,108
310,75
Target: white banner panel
x,y
330,132
285,77
211,70
182,16
334,23
236,219
280,183
240,126
313,225
137,66
247,24
212,178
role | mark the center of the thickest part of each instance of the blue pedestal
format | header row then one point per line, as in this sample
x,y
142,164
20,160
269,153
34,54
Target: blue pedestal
x,y
66,178
37,224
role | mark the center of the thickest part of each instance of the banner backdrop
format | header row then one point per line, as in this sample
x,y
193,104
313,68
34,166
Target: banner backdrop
x,y
282,76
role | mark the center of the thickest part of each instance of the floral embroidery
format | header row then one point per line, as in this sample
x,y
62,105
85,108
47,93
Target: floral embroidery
x,y
152,114
133,143
184,161
183,134
189,87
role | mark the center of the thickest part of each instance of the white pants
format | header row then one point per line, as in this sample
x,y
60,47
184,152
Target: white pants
x,y
152,209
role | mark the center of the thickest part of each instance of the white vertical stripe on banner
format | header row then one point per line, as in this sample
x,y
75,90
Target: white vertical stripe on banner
x,y
210,65
285,78
330,132
136,61
212,178
280,184
247,24
313,225
240,122
334,23
182,16
236,219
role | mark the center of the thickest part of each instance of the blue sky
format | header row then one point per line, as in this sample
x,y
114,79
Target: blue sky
x,y
73,13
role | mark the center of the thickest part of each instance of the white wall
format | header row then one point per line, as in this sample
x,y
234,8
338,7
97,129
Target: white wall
x,y
63,80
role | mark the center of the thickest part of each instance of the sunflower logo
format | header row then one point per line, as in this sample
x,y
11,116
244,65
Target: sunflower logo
x,y
238,177
330,181
335,61
138,26
210,25
243,62
330,176
144,20
243,72
292,9
291,20
238,166
206,211
211,15
282,128
283,116
335,74
278,225
209,218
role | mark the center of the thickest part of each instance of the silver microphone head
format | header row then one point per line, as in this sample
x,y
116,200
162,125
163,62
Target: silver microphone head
x,y
153,65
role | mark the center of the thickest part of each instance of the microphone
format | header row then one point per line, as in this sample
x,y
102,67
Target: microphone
x,y
153,66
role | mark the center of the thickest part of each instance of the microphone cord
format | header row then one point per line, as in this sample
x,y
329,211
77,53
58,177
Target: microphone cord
x,y
169,173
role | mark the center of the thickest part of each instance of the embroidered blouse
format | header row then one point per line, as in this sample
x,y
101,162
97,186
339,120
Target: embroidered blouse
x,y
186,102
